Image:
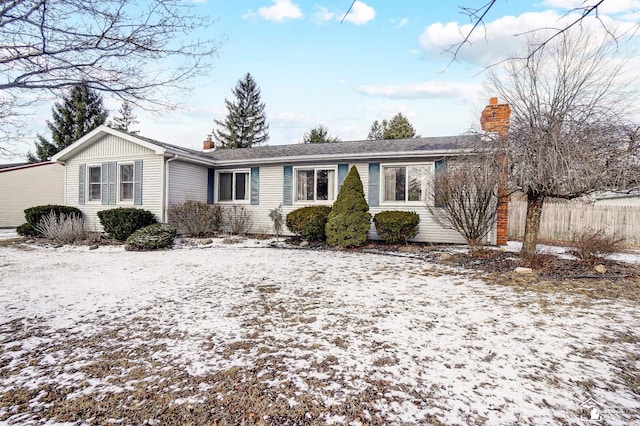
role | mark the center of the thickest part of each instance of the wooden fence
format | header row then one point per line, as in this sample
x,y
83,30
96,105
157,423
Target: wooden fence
x,y
561,220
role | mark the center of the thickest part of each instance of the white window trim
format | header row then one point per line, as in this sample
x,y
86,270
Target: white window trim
x,y
119,182
233,188
315,201
430,166
88,199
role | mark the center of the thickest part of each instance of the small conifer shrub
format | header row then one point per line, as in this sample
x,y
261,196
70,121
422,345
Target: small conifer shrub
x,y
152,237
395,227
121,222
349,220
309,222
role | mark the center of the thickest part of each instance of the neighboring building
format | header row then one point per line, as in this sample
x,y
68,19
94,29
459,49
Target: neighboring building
x,y
630,198
108,168
27,185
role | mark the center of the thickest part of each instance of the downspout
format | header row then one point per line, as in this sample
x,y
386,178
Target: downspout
x,y
165,208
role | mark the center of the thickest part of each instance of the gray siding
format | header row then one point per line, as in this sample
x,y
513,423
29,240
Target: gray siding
x,y
271,192
187,182
26,187
109,149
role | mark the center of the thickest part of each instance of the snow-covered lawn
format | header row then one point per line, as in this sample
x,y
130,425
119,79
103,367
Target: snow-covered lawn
x,y
231,333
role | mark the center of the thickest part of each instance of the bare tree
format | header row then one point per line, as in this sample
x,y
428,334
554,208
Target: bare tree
x,y
465,198
477,16
133,49
565,103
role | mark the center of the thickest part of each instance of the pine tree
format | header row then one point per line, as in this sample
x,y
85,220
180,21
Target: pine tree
x,y
398,127
319,134
126,119
246,123
80,112
349,220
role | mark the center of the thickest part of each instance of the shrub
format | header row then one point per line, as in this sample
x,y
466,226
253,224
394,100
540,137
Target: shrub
x,y
239,220
27,230
34,216
395,227
64,229
349,220
121,222
196,218
276,217
309,222
589,245
152,237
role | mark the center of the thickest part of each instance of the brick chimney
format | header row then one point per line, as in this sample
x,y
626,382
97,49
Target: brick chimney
x,y
209,145
495,119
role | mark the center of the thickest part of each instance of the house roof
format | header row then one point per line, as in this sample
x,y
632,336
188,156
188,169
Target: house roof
x,y
20,166
396,148
160,148
352,150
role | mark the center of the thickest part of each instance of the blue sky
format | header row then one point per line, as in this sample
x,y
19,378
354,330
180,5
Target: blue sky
x,y
387,57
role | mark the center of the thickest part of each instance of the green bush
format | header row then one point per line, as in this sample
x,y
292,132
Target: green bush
x,y
121,222
395,227
349,220
35,214
27,230
152,237
309,222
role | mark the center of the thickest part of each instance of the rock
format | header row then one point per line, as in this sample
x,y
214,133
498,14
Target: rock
x,y
601,269
521,270
93,247
445,257
304,243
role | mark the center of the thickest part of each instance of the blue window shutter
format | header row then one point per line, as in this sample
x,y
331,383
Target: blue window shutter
x,y
287,196
343,170
82,179
374,184
137,182
211,176
255,186
104,183
113,177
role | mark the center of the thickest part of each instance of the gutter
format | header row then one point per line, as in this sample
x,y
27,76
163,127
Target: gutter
x,y
165,207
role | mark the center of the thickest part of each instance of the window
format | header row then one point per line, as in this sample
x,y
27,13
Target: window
x,y
315,184
126,182
95,183
406,183
233,186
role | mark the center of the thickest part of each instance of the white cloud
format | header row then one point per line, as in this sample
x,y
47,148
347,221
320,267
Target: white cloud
x,y
607,7
323,15
424,90
503,37
360,13
280,11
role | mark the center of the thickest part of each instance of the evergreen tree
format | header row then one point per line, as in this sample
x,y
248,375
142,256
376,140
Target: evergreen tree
x,y
246,123
319,134
398,127
126,119
80,112
349,220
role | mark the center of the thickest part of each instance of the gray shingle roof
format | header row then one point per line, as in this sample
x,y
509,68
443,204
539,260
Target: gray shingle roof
x,y
346,149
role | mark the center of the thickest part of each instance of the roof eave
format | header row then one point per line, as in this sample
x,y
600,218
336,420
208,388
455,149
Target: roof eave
x,y
344,157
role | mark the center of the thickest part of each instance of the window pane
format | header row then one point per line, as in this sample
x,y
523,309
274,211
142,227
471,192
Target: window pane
x,y
225,188
95,188
126,173
242,183
325,184
416,178
126,191
394,183
304,185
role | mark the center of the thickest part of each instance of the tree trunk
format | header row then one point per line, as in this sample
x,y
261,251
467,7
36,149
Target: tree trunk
x,y
532,223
